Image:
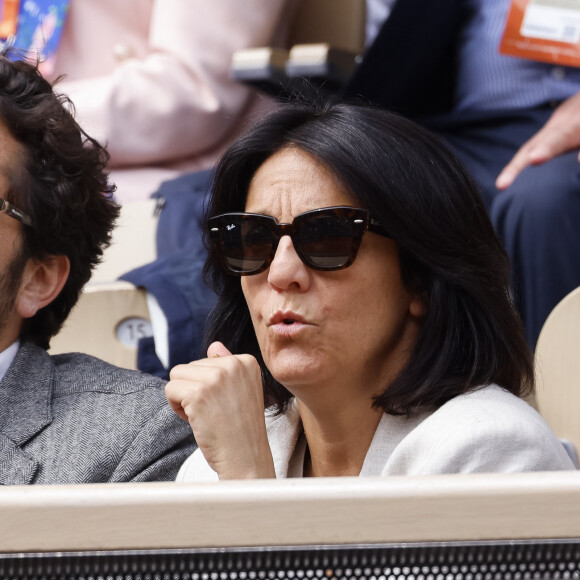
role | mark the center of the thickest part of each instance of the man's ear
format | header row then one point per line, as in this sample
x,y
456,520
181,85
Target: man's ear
x,y
42,281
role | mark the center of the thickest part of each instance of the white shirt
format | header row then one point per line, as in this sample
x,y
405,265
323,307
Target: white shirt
x,y
7,356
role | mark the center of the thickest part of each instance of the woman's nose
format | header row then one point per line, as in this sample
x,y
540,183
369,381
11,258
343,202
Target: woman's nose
x,y
287,269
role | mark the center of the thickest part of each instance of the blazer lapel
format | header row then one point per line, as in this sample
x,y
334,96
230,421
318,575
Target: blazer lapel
x,y
283,432
16,466
25,409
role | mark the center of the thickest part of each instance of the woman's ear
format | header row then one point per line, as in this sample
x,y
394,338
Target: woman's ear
x,y
42,281
418,305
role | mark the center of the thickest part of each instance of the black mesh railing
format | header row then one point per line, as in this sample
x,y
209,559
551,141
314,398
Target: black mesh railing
x,y
508,559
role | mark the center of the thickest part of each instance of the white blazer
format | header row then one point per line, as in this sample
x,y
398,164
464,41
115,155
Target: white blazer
x,y
486,430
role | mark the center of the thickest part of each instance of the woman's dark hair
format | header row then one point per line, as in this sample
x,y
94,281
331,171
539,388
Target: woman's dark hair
x,y
60,181
413,185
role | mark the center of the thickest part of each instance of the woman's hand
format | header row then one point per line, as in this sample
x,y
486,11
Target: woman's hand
x,y
221,397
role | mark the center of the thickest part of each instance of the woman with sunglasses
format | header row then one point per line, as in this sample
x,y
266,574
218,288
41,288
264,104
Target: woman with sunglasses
x,y
363,303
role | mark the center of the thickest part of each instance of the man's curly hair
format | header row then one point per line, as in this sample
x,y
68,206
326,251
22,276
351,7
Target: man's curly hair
x,y
61,183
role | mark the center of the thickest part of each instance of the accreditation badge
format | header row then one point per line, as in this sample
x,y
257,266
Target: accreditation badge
x,y
543,30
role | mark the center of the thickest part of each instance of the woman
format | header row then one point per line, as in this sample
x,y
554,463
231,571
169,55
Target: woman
x,y
361,284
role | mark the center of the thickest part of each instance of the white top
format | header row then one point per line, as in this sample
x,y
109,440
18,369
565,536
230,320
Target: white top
x,y
485,430
7,356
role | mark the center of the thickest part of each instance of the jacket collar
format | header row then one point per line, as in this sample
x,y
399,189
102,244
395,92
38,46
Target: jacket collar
x,y
25,409
284,431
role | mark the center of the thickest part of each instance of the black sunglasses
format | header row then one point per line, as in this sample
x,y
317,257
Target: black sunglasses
x,y
324,239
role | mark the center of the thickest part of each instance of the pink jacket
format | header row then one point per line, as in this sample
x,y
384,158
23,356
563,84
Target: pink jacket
x,y
151,79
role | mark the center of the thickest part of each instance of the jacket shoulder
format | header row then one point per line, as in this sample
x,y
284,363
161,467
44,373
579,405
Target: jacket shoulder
x,y
485,430
77,372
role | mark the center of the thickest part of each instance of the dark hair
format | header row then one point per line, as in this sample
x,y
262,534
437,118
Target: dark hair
x,y
62,184
414,186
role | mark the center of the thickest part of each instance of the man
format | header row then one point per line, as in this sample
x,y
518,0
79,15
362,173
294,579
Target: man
x,y
69,418
515,124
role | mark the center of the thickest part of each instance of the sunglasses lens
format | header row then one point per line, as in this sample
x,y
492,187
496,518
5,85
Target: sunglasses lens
x,y
246,243
329,241
325,239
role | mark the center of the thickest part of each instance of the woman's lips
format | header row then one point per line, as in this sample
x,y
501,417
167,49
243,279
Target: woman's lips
x,y
287,323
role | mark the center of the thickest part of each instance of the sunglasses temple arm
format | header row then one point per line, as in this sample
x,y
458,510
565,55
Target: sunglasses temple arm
x,y
376,228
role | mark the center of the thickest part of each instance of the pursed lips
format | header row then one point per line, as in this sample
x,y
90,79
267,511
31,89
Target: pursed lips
x,y
286,317
287,323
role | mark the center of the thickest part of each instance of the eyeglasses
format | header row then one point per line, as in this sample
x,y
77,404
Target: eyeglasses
x,y
324,239
7,208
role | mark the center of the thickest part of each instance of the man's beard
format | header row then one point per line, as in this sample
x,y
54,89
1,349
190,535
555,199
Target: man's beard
x,y
10,280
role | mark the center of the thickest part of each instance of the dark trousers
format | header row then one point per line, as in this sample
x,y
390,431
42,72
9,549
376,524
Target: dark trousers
x,y
537,218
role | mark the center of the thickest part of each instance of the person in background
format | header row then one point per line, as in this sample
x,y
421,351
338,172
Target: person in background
x,y
363,301
513,122
69,418
150,80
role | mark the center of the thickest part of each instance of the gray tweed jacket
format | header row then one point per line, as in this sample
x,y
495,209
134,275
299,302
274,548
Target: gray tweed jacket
x,y
73,418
